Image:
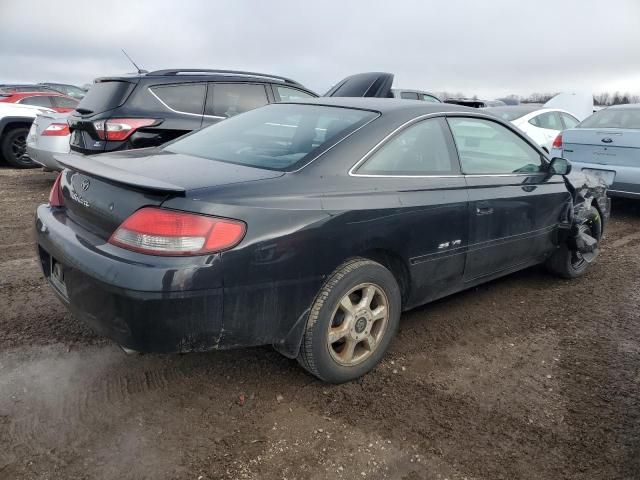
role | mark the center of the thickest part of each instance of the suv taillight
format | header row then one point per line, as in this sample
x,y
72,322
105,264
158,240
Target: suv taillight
x,y
557,143
158,231
55,196
118,129
56,130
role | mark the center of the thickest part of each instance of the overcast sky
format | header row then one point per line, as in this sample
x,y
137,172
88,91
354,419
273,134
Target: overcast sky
x,y
490,48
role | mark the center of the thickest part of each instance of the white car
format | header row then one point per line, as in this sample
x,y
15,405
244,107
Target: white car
x,y
15,121
541,124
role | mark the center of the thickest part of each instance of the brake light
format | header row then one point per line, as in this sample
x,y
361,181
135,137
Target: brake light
x,y
118,129
55,196
557,143
158,231
56,130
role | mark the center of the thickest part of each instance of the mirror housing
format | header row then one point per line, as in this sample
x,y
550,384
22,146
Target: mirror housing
x,y
560,166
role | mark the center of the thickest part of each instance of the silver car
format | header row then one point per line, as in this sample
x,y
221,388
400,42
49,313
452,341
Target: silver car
x,y
607,145
49,136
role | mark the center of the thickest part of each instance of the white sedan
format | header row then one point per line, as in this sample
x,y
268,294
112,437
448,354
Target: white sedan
x,y
541,124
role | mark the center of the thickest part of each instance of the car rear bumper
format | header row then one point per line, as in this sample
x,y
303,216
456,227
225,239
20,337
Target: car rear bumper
x,y
143,303
626,182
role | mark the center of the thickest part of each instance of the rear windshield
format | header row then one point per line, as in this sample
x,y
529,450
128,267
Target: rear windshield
x,y
276,137
510,113
103,96
613,118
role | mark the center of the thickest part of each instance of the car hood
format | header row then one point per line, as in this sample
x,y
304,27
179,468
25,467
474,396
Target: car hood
x,y
156,169
370,84
8,109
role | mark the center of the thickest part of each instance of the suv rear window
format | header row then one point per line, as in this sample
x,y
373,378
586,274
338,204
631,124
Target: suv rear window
x,y
276,137
186,98
104,96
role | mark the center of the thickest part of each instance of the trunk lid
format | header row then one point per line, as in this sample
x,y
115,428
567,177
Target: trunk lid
x,y
603,146
101,191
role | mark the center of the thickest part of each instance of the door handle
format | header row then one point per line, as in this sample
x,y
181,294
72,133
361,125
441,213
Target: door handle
x,y
483,210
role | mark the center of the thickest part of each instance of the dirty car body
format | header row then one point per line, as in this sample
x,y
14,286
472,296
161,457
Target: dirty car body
x,y
308,202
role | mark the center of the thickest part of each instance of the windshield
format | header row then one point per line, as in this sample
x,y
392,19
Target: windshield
x,y
510,113
613,118
275,137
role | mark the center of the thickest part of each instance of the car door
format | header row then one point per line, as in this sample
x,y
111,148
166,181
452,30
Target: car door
x,y
515,205
419,165
225,100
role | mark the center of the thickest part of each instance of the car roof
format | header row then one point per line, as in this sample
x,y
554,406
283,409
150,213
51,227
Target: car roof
x,y
387,105
630,106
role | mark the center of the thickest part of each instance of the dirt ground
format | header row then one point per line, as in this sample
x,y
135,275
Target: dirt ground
x,y
528,377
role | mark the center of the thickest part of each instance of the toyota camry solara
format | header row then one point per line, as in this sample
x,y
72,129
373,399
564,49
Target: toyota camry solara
x,y
309,227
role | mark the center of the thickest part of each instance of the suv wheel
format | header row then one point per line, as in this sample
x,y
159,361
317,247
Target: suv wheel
x,y
352,322
14,148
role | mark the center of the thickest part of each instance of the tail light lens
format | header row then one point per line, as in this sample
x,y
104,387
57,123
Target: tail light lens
x,y
557,143
157,231
56,130
55,196
118,129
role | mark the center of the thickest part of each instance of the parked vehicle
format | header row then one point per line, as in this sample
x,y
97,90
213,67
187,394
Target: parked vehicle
x,y
607,144
474,102
309,226
15,121
415,95
23,87
542,124
52,100
69,90
149,109
48,136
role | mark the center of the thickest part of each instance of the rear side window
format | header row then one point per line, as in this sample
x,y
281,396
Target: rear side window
x,y
430,98
103,96
420,149
229,99
409,95
281,136
613,118
486,147
549,120
569,121
63,102
185,98
287,94
39,101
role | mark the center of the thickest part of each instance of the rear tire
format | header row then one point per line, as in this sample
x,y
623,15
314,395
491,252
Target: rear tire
x,y
570,264
352,322
14,148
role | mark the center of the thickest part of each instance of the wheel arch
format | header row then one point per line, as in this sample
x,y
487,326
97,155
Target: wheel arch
x,y
9,123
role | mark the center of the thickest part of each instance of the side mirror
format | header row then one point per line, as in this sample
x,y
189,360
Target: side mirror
x,y
560,166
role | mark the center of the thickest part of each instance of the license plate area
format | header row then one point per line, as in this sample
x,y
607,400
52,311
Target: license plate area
x,y
56,276
607,175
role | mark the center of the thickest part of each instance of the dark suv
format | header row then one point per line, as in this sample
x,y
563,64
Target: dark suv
x,y
149,109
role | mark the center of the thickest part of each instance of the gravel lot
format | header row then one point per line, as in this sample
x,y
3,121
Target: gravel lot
x,y
528,377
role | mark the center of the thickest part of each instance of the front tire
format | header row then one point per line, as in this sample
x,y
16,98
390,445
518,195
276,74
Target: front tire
x,y
352,322
568,263
14,148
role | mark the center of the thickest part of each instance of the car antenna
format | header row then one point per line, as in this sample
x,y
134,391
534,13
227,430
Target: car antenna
x,y
140,70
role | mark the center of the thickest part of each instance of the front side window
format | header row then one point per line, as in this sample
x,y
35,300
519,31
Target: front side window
x,y
280,136
549,120
486,147
569,121
39,101
229,99
287,94
409,95
420,149
185,98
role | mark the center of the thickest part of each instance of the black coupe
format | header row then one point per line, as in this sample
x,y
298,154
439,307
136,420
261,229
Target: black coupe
x,y
308,226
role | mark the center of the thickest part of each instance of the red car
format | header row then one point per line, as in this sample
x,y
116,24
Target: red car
x,y
56,101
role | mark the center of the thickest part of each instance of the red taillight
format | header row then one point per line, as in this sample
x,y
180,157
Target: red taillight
x,y
55,196
56,130
118,129
158,231
557,143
